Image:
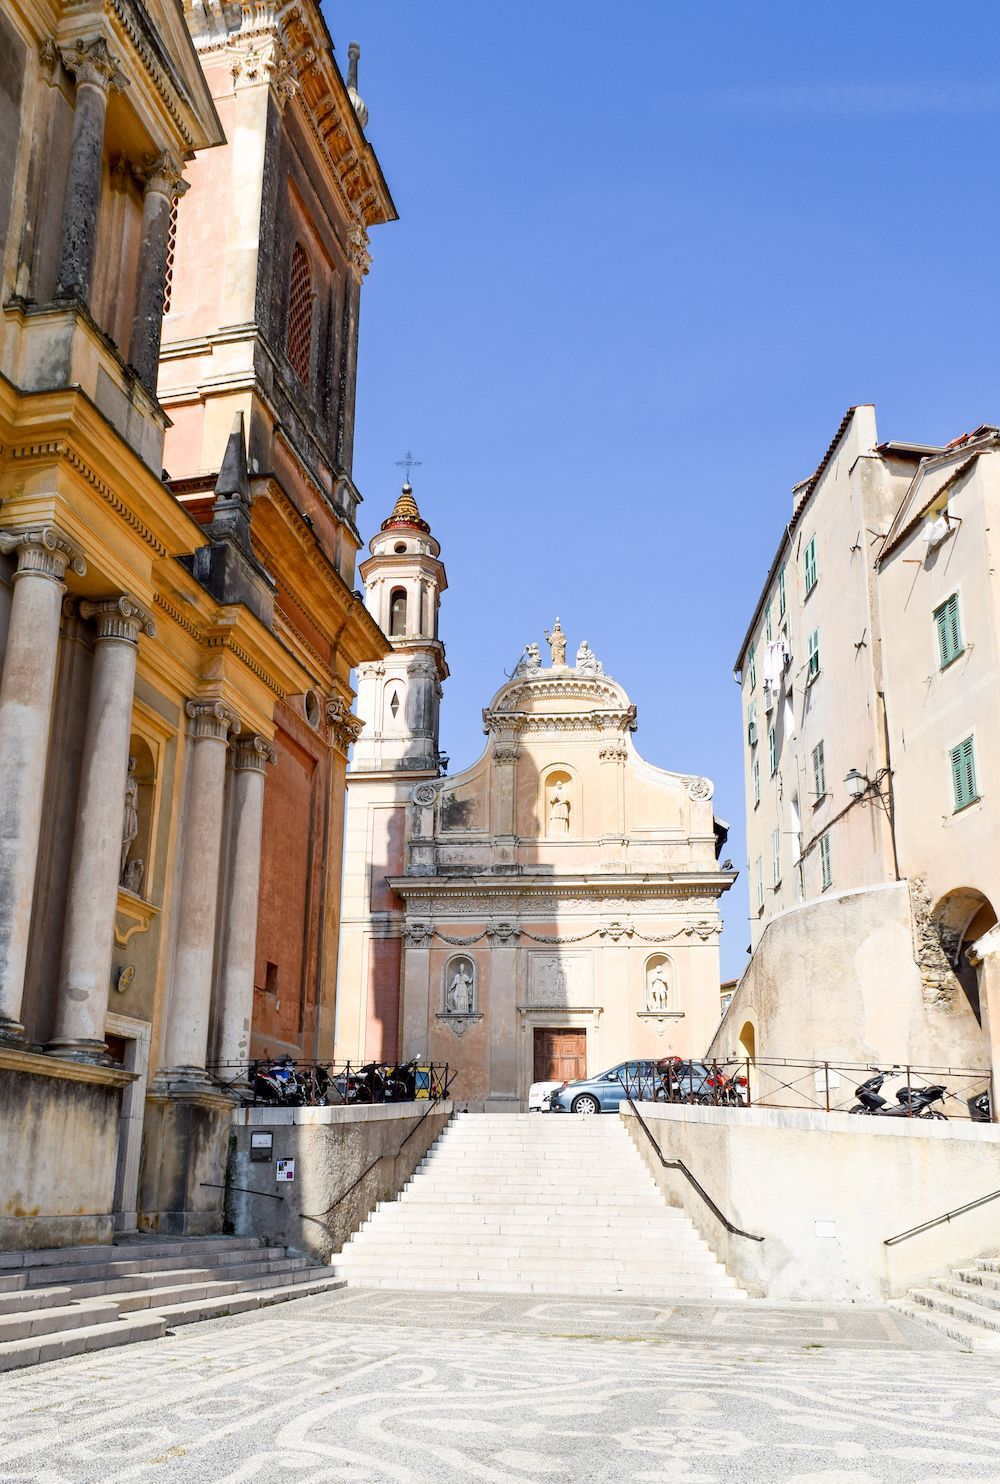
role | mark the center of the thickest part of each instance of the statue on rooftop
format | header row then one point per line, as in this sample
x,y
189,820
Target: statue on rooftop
x,y
556,641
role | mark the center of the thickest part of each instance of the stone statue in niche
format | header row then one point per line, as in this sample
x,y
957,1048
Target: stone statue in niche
x,y
587,662
557,643
559,807
133,874
458,1000
656,988
130,824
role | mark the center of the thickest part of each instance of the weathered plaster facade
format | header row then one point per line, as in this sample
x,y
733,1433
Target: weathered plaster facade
x,y
886,569
560,892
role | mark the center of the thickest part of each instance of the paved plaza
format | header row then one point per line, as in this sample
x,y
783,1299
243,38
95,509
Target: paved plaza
x,y
373,1387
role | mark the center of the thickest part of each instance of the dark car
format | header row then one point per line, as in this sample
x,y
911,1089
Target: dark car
x,y
606,1092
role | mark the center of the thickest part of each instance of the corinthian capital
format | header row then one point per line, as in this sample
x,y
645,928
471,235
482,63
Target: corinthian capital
x,y
211,720
345,727
91,61
251,753
119,618
43,551
162,173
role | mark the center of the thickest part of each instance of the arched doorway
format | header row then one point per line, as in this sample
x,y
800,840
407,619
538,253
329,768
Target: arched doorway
x,y
962,917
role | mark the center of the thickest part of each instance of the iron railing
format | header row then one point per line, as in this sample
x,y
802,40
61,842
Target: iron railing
x,y
284,1082
825,1086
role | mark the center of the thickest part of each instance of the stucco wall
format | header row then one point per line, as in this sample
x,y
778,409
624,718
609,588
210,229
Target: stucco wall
x,y
58,1133
331,1147
772,1174
837,978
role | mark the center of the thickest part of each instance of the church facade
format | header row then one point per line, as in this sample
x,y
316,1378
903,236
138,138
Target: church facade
x,y
545,913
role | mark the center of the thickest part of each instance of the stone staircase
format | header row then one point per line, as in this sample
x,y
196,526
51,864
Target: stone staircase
x,y
537,1203
66,1301
965,1305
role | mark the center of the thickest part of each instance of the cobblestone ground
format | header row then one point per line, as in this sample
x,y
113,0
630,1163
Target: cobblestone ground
x,y
380,1387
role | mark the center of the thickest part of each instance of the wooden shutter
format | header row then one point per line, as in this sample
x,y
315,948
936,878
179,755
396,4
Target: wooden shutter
x,y
949,630
963,774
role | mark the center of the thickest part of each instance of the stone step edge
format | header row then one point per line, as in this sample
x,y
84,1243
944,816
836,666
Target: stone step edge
x,y
969,1336
987,1320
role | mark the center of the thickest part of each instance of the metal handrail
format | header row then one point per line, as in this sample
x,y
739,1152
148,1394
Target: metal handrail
x,y
925,1226
678,1164
244,1189
438,1097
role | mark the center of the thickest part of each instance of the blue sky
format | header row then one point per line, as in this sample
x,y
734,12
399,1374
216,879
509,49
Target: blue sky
x,y
647,256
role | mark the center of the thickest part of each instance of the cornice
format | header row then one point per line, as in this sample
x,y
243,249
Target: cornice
x,y
60,450
515,723
645,888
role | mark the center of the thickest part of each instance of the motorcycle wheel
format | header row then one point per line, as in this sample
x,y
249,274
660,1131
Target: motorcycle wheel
x,y
858,1108
933,1113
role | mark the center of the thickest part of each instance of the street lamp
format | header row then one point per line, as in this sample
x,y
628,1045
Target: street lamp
x,y
857,784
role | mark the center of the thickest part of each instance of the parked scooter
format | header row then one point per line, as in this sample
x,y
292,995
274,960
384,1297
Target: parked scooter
x,y
911,1102
275,1082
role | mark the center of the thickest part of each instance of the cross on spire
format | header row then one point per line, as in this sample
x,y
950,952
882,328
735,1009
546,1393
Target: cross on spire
x,y
408,463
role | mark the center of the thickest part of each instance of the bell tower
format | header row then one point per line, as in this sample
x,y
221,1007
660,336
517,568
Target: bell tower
x,y
399,697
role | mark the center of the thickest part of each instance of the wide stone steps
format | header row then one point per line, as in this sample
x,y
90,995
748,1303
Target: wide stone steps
x,y
964,1305
538,1205
70,1301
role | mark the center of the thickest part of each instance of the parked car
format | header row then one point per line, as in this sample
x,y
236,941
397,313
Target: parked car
x,y
607,1091
682,1081
539,1094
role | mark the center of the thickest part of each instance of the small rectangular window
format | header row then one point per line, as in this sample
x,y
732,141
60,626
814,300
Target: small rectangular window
x,y
772,750
963,775
809,563
781,593
760,884
752,724
768,635
949,631
814,654
756,781
776,858
825,869
752,666
819,771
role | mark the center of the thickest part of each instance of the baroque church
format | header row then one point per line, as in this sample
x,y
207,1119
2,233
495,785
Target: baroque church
x,y
545,913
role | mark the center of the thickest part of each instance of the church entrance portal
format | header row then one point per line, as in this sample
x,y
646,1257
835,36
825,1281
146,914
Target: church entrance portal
x,y
560,1055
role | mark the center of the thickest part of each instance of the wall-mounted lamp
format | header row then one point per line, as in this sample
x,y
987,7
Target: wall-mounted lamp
x,y
860,786
856,784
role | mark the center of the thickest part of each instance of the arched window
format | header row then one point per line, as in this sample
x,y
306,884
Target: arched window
x,y
397,612
300,314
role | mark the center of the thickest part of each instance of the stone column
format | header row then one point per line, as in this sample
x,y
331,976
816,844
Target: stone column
x,y
249,757
504,1017
185,1038
95,866
163,184
25,717
97,74
504,805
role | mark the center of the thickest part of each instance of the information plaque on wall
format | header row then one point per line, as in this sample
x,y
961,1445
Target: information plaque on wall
x,y
261,1146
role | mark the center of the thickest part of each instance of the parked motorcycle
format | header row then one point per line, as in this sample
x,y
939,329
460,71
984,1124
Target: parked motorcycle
x,y
911,1102
980,1109
275,1082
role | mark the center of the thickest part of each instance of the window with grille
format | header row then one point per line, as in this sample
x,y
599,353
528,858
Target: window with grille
x,y
772,750
809,564
168,272
781,593
949,631
813,668
963,775
825,867
819,771
300,314
752,666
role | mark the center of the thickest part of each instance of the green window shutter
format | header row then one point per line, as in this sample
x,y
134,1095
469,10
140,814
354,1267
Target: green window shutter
x,y
768,634
752,724
772,750
826,870
781,593
963,774
756,780
819,769
814,654
752,666
811,573
949,631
